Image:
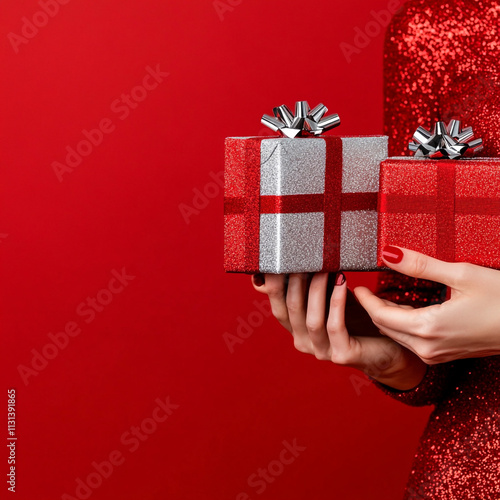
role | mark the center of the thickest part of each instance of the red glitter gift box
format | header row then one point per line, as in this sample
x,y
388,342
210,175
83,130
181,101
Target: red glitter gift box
x,y
302,204
448,209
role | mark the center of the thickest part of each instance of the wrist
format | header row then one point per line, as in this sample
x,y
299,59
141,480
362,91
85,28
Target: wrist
x,y
405,374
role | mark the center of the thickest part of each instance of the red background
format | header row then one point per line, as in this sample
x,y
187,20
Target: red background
x,y
120,208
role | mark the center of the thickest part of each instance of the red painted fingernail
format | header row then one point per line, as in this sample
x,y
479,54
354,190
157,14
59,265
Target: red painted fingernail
x,y
392,254
340,280
258,279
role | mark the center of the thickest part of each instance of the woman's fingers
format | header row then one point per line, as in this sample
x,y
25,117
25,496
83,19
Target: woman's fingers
x,y
404,339
403,325
455,275
357,320
317,321
296,304
384,313
340,341
258,282
315,318
274,286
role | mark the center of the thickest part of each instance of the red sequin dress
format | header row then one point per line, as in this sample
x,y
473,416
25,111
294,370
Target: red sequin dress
x,y
442,59
458,456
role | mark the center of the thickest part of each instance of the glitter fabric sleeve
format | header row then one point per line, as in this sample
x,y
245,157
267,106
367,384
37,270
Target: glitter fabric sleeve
x,y
429,391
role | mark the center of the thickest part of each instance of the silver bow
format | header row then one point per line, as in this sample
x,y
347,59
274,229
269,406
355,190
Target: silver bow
x,y
305,121
446,141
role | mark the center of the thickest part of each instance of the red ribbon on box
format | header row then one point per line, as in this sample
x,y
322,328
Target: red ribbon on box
x,y
332,202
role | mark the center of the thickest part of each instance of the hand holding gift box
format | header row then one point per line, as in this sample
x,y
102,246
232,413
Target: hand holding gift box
x,y
305,204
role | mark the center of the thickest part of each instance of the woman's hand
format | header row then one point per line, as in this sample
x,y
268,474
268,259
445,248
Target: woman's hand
x,y
466,326
318,327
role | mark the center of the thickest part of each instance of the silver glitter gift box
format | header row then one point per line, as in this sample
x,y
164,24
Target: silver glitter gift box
x,y
302,204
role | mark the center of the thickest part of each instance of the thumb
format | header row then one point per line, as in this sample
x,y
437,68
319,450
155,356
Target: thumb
x,y
418,265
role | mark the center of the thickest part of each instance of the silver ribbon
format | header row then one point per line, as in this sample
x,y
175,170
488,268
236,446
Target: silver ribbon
x,y
445,142
305,122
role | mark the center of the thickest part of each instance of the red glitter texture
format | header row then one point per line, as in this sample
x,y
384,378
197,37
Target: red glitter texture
x,y
441,60
242,180
448,220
